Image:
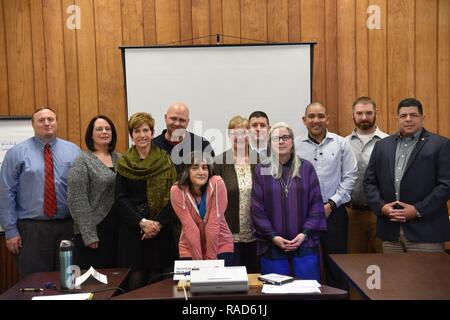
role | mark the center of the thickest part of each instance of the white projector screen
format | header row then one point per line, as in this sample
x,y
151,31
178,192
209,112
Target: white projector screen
x,y
219,82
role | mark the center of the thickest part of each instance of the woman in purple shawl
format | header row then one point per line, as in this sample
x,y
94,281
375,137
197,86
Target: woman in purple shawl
x,y
287,209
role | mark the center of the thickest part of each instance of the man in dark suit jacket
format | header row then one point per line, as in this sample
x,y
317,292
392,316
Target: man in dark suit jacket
x,y
407,183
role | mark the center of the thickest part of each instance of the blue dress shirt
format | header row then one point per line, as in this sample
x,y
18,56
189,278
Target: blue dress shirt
x,y
22,181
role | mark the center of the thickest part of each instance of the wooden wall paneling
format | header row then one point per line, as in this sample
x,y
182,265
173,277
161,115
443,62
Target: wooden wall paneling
x,y
72,91
186,16
149,17
426,60
27,25
39,68
19,57
231,21
253,21
294,21
444,68
377,67
400,52
87,67
346,64
313,30
278,20
331,64
167,21
55,63
132,22
108,33
200,22
361,49
4,95
215,17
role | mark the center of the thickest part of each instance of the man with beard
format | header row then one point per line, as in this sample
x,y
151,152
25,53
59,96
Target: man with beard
x,y
176,140
179,143
336,169
361,220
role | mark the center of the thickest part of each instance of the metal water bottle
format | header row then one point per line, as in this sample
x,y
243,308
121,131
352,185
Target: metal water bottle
x,y
65,261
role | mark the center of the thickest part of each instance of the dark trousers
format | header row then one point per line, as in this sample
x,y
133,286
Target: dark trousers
x,y
40,244
245,255
335,241
105,256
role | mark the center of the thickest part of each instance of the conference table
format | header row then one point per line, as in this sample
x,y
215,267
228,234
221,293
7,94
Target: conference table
x,y
402,276
49,281
167,290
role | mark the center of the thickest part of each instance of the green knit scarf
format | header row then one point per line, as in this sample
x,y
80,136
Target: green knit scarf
x,y
157,169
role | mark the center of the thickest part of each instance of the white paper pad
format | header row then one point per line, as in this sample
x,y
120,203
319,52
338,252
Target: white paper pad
x,y
91,272
296,286
74,296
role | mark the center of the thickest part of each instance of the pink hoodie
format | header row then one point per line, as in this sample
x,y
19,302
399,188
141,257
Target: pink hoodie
x,y
203,239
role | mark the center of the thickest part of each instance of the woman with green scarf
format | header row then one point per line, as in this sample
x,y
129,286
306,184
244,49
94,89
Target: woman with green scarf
x,y
145,174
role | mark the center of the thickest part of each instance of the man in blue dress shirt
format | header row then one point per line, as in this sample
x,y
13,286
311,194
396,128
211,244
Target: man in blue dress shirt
x,y
336,169
31,233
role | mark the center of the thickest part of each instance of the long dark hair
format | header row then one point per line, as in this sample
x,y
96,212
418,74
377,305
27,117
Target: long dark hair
x,y
90,130
195,157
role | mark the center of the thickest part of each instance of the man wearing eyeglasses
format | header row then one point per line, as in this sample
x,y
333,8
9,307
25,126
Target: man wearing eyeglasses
x,y
407,183
336,169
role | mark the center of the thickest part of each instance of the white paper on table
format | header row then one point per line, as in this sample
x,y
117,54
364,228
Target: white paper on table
x,y
182,268
74,296
91,272
296,286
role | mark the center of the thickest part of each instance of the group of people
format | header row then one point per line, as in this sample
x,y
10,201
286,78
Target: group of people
x,y
273,203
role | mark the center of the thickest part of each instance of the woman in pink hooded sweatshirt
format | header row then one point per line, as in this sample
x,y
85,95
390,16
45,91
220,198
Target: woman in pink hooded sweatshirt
x,y
199,200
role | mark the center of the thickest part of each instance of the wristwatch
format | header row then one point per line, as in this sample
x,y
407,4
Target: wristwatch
x,y
142,223
332,204
305,233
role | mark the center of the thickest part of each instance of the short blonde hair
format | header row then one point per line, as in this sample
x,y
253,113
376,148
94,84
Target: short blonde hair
x,y
139,118
238,122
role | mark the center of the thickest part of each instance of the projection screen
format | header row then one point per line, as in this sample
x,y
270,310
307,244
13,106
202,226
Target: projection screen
x,y
219,82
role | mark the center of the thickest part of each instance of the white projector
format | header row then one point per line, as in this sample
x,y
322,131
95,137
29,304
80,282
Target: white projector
x,y
221,279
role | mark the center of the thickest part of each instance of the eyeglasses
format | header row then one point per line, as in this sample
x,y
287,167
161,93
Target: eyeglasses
x,y
286,137
100,129
239,134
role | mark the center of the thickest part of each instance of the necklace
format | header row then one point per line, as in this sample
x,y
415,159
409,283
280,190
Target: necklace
x,y
286,185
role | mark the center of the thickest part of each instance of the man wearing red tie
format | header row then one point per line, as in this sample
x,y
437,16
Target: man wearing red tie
x,y
33,195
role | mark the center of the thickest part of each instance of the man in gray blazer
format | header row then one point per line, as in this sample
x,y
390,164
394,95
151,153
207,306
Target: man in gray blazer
x,y
407,183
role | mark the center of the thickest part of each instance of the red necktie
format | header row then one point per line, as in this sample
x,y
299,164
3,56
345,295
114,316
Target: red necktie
x,y
49,184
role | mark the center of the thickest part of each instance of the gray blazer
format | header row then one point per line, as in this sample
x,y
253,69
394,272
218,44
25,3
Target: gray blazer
x,y
90,193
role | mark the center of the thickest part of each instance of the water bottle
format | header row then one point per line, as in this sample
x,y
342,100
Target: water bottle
x,y
65,261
